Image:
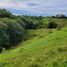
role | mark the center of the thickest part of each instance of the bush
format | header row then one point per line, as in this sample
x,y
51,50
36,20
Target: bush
x,y
1,49
16,32
52,25
11,33
4,38
29,22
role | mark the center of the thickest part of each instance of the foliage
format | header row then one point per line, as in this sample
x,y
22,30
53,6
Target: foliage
x,y
11,33
13,29
5,13
46,48
4,38
52,25
60,16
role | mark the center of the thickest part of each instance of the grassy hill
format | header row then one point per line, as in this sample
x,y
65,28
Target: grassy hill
x,y
32,41
45,50
61,22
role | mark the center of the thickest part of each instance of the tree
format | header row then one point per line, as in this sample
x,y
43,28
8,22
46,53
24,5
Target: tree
x,y
16,32
11,33
1,49
60,16
4,13
4,38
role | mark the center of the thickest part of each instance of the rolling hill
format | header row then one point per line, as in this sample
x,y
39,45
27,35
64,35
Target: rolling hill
x,y
45,50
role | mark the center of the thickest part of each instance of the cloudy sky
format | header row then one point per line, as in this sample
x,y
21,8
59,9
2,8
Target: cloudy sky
x,y
35,7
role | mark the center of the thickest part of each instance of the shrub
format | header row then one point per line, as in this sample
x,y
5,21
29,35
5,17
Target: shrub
x,y
11,33
4,38
1,49
52,25
16,32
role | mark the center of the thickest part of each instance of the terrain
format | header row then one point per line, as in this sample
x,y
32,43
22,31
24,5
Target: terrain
x,y
44,50
31,41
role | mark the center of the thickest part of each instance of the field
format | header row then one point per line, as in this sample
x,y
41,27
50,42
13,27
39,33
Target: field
x,y
61,22
32,41
46,48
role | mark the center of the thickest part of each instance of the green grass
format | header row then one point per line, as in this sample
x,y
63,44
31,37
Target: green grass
x,y
60,22
45,50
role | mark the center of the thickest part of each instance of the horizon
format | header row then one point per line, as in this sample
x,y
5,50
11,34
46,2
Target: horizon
x,y
35,8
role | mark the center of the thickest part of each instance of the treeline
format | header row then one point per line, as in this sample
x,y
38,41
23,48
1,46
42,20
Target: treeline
x,y
11,33
61,16
13,29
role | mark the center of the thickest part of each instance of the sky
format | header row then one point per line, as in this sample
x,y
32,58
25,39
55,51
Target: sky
x,y
35,7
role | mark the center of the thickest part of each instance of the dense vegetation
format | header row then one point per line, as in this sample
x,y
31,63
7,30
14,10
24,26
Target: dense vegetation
x,y
38,41
44,50
13,29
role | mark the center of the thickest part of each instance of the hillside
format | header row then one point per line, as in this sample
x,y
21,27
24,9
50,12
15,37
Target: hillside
x,y
41,51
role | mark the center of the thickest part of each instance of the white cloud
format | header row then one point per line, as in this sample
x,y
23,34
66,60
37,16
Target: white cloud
x,y
35,6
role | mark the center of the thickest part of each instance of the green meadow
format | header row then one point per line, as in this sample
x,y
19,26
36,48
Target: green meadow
x,y
42,44
41,51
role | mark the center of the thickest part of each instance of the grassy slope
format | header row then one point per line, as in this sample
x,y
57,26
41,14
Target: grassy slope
x,y
62,22
42,51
